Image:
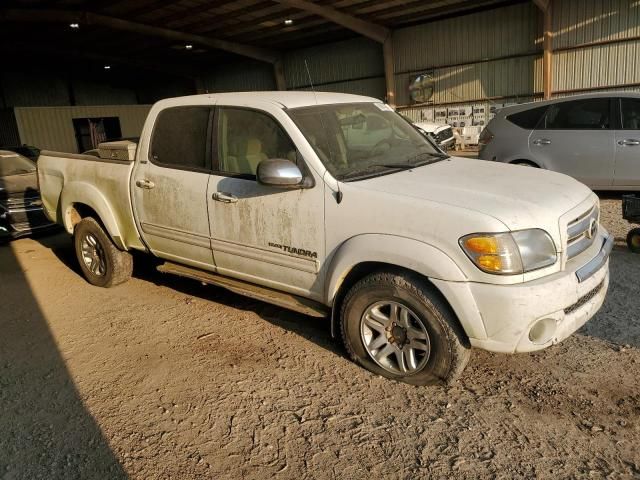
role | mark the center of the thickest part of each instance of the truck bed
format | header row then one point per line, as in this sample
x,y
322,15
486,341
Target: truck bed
x,y
67,180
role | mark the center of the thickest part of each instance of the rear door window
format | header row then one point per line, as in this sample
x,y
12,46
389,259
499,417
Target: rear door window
x,y
588,114
528,119
181,138
630,113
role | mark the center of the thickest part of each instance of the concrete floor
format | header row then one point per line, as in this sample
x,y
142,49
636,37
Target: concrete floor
x,y
164,378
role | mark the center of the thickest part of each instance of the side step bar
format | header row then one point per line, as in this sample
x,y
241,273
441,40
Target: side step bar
x,y
268,295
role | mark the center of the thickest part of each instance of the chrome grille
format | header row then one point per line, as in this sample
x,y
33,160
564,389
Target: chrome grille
x,y
584,299
582,231
444,135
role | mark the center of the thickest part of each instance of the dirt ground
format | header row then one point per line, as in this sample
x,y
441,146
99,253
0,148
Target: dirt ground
x,y
165,378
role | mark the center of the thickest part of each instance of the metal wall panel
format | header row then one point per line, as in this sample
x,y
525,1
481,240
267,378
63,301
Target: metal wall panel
x,y
370,87
245,76
576,22
597,67
358,58
8,128
495,33
521,76
51,128
87,92
25,89
152,92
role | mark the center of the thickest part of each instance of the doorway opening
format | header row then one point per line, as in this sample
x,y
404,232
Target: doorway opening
x,y
90,132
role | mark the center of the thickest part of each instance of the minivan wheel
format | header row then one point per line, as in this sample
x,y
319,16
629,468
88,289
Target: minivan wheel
x,y
398,326
101,262
525,163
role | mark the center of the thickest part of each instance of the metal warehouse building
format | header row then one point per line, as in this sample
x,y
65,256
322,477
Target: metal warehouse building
x,y
68,65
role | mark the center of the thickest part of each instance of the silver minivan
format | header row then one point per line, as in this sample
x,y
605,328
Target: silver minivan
x,y
594,138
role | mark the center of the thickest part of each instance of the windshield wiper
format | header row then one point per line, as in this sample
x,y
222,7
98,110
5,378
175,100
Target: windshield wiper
x,y
439,156
407,165
392,165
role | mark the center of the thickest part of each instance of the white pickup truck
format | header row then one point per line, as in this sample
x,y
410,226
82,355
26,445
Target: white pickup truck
x,y
415,255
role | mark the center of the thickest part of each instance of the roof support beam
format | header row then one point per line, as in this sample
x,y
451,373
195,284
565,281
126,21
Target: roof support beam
x,y
370,30
367,29
542,4
88,18
389,76
547,59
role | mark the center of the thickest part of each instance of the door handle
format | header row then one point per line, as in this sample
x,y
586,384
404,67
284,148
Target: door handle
x,y
542,141
224,197
144,183
629,142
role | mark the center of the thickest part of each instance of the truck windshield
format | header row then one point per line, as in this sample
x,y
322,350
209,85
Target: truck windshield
x,y
14,164
362,140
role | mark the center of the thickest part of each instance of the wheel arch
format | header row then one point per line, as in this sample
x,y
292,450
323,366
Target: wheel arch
x,y
525,160
93,204
365,254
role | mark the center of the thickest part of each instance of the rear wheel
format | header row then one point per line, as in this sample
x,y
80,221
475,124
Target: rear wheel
x,y
633,240
398,326
100,260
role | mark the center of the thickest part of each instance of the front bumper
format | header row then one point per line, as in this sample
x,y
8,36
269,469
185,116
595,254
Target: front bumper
x,y
448,143
534,315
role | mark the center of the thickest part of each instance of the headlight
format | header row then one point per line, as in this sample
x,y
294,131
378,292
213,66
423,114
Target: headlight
x,y
510,253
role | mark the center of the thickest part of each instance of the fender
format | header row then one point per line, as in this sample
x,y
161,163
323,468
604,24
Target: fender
x,y
413,255
400,251
92,197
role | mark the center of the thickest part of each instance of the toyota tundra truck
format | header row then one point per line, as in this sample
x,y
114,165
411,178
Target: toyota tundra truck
x,y
415,256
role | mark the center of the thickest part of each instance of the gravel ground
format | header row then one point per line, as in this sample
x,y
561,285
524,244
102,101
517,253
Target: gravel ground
x,y
164,378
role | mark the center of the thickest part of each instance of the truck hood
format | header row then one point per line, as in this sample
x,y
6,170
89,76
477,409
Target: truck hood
x,y
431,127
519,197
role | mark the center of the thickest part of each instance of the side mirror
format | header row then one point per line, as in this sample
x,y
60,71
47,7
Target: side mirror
x,y
278,172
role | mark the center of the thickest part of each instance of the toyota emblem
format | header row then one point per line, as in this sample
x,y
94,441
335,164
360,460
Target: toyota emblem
x,y
593,229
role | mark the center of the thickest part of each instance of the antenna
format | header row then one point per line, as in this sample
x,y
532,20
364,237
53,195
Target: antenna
x,y
315,96
306,65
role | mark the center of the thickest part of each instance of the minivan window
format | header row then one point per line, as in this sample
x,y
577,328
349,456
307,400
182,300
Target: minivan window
x,y
631,114
528,119
589,114
180,138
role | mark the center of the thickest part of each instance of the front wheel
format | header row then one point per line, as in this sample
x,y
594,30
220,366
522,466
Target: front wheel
x,y
398,326
101,262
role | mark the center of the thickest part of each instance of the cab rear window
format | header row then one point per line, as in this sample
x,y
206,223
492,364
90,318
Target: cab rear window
x,y
528,119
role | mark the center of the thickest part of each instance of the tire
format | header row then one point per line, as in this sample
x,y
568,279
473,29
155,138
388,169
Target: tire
x,y
444,352
633,240
102,264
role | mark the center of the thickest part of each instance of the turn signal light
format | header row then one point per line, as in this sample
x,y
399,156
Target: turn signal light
x,y
482,245
490,263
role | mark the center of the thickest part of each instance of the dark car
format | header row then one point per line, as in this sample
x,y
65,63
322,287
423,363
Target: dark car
x,y
32,153
20,205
